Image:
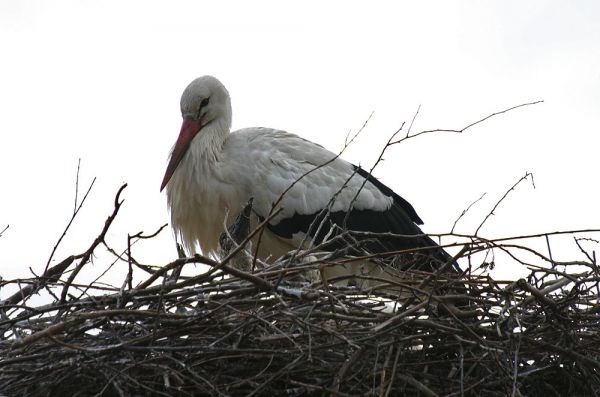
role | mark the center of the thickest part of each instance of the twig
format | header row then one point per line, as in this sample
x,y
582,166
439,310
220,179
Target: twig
x,y
527,175
3,230
464,212
468,126
87,255
75,212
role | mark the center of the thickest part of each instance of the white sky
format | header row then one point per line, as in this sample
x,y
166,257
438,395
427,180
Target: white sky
x,y
101,81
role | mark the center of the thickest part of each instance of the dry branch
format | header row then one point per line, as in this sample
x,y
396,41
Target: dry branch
x,y
229,332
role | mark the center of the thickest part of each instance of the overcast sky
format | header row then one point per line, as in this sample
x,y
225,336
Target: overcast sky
x,y
100,81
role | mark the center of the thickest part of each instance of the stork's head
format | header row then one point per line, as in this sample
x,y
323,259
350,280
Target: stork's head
x,y
205,102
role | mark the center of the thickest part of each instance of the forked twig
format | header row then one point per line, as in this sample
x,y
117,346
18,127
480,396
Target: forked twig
x,y
76,210
88,254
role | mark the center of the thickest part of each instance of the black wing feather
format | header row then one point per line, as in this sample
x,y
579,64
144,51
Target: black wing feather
x,y
403,204
400,219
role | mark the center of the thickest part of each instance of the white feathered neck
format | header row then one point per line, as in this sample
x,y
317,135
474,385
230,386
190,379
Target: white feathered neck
x,y
191,193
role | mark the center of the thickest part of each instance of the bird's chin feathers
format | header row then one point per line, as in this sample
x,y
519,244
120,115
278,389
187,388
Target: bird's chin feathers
x,y
191,192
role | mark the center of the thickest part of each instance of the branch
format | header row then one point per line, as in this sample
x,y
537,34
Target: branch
x,y
75,212
527,175
3,230
88,254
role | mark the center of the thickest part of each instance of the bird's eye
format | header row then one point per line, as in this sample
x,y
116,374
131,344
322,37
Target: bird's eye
x,y
204,103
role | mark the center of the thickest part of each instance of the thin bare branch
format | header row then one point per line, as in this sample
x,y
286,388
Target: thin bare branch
x,y
492,212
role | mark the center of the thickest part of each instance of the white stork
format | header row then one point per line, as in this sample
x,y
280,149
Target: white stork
x,y
212,173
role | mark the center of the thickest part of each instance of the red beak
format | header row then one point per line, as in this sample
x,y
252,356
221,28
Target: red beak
x,y
189,129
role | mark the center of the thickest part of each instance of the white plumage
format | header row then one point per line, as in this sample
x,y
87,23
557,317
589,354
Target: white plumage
x,y
212,173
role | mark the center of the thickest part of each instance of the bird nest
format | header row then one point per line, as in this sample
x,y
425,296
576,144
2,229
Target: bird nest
x,y
270,332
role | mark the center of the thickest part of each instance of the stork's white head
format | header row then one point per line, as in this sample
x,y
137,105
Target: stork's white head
x,y
205,102
206,99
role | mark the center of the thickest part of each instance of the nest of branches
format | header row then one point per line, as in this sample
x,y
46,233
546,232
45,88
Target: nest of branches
x,y
228,331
